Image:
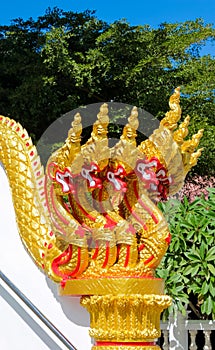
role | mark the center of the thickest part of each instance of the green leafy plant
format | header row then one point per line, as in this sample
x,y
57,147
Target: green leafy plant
x,y
189,265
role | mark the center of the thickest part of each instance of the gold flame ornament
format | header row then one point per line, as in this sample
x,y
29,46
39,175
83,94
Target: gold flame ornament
x,y
91,222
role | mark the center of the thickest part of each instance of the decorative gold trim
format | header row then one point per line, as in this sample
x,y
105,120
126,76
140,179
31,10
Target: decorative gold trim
x,y
125,318
122,347
114,286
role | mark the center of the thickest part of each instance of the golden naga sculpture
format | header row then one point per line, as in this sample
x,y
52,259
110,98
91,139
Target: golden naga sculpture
x,y
91,222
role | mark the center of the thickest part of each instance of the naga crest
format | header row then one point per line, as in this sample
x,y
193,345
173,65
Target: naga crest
x,y
91,221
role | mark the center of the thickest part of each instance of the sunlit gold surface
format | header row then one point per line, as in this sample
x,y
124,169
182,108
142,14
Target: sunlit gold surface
x,y
114,286
20,160
123,317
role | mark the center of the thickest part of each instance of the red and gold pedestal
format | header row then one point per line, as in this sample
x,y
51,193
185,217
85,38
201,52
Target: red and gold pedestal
x,y
124,312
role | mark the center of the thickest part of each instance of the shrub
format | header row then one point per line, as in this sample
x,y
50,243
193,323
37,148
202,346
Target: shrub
x,y
189,265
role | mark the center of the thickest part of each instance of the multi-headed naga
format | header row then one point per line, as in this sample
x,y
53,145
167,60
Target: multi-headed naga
x,y
92,223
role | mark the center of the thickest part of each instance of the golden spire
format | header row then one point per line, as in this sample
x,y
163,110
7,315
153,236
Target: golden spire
x,y
182,131
189,156
65,155
173,116
125,151
194,158
98,141
129,131
100,127
74,134
189,146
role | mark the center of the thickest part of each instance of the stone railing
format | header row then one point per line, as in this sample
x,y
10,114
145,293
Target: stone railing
x,y
182,334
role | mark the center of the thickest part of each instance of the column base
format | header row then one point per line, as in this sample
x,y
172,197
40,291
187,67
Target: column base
x,y
125,322
125,346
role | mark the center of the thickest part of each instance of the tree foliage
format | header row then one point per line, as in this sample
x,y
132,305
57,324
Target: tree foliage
x,y
63,60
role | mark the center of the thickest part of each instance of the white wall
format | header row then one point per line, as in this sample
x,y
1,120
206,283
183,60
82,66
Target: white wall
x,y
19,328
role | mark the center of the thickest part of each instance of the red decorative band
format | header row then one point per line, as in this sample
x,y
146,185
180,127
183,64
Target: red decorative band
x,y
108,343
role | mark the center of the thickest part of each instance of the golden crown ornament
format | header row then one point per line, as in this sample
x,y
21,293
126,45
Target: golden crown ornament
x,y
92,223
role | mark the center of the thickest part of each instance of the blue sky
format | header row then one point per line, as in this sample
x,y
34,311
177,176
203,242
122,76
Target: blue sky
x,y
135,11
149,12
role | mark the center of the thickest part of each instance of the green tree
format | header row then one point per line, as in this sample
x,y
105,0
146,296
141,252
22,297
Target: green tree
x,y
63,60
25,94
